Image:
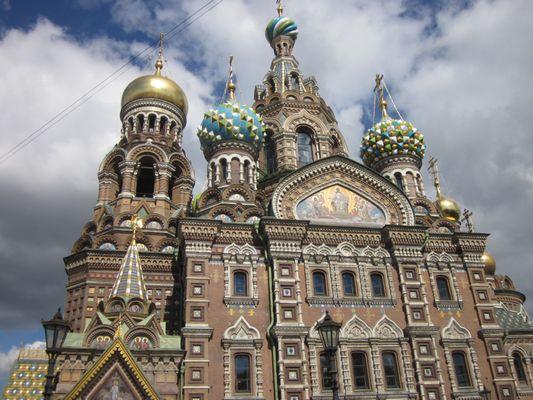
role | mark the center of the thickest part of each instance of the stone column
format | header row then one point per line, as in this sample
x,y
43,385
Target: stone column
x,y
163,173
127,169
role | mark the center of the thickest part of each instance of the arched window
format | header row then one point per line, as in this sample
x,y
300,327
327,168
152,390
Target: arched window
x,y
319,283
294,81
240,283
378,288
246,171
270,153
223,170
444,288
324,369
163,125
335,145
151,122
131,124
305,146
272,85
360,370
140,123
461,369
399,180
146,177
348,284
243,379
519,367
390,370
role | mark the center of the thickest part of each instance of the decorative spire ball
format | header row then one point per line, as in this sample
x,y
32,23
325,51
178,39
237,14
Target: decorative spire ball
x,y
159,61
231,121
448,208
281,26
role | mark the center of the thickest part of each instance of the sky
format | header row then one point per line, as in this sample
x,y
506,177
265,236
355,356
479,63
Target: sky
x,y
458,70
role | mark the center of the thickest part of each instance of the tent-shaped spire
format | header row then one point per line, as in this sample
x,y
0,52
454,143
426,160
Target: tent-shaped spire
x,y
130,279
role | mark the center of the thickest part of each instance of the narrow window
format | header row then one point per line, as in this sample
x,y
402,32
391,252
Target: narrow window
x,y
151,122
270,153
223,170
305,148
348,283
461,369
163,125
390,368
399,180
519,368
378,288
444,288
140,123
324,368
246,171
242,373
146,178
319,283
240,284
360,370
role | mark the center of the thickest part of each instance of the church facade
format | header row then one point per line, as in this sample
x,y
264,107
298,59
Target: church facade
x,y
218,296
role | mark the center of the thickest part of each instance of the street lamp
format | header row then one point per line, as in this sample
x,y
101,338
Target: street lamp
x,y
329,334
55,332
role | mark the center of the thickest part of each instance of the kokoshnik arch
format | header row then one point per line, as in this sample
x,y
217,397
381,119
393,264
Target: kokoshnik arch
x,y
219,296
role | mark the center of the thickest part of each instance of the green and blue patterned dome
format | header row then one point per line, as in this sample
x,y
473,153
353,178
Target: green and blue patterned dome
x,y
281,26
390,137
231,121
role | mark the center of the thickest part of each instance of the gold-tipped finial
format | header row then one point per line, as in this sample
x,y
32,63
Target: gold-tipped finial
x,y
231,85
280,8
379,89
159,61
433,168
136,223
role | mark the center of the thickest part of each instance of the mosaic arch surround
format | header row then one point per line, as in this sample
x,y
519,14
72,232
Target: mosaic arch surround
x,y
338,205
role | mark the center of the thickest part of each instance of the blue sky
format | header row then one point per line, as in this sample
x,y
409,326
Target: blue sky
x,y
455,68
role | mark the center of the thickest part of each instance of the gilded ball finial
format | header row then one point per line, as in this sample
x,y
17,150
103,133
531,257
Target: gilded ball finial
x,y
490,263
159,61
279,8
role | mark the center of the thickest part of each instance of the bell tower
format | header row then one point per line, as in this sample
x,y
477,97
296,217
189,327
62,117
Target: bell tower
x,y
300,127
147,174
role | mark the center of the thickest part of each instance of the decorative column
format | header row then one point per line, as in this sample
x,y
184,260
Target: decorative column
x,y
164,172
127,169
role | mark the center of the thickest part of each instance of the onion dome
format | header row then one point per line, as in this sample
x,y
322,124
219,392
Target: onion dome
x,y
449,208
490,263
231,121
391,137
281,26
156,86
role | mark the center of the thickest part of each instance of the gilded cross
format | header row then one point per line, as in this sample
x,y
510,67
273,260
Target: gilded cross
x,y
467,214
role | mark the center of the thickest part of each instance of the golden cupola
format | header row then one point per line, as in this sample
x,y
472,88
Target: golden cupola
x,y
448,208
156,86
490,263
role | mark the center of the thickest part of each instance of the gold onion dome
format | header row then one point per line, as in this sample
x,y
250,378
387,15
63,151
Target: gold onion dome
x,y
449,208
490,263
156,86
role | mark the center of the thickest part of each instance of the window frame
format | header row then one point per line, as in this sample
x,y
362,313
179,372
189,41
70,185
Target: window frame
x,y
382,284
249,388
236,273
396,372
520,373
460,383
353,282
323,274
444,279
364,365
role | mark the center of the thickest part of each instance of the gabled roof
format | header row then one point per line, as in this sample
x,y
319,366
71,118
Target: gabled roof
x,y
117,352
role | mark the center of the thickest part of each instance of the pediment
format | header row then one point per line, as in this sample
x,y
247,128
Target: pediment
x,y
340,191
114,375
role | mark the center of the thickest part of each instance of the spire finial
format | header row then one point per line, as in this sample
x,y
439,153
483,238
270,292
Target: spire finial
x,y
379,89
433,168
279,8
159,61
231,85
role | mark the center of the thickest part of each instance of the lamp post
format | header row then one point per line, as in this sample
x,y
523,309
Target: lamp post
x,y
329,334
55,332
